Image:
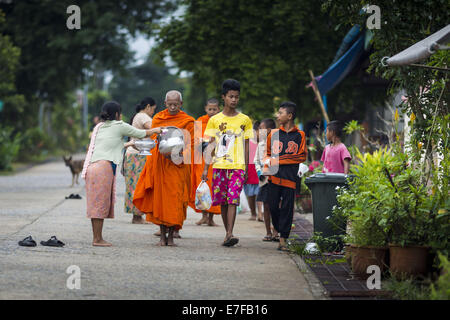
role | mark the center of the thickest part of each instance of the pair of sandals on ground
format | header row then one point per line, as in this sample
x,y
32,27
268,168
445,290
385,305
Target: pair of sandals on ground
x,y
74,196
52,242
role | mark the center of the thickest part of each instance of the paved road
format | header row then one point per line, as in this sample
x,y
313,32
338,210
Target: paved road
x,y
33,203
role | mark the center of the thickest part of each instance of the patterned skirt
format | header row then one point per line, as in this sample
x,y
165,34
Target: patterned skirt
x,y
133,166
99,190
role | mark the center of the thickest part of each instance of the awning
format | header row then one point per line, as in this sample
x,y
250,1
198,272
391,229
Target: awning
x,y
341,68
421,50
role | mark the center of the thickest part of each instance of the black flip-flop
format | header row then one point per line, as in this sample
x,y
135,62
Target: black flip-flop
x,y
231,242
52,242
74,196
276,239
283,248
27,242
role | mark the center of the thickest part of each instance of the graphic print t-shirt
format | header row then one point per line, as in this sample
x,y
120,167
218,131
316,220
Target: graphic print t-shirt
x,y
230,134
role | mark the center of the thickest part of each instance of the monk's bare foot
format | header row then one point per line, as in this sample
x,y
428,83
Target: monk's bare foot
x,y
211,223
101,243
157,233
252,218
161,243
200,222
176,235
170,243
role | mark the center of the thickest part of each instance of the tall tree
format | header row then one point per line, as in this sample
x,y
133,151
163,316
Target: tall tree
x,y
9,62
147,79
268,45
55,59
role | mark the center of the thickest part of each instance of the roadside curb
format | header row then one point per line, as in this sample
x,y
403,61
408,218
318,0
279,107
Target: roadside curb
x,y
317,289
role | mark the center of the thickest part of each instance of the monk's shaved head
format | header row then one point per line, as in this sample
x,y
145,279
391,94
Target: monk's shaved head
x,y
174,94
173,101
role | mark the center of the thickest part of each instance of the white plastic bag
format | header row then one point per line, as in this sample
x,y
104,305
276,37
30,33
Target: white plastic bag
x,y
203,200
302,169
243,203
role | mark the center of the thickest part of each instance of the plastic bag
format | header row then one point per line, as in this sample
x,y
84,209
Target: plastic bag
x,y
302,169
203,200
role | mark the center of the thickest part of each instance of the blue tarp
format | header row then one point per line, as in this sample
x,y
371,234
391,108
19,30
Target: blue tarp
x,y
339,70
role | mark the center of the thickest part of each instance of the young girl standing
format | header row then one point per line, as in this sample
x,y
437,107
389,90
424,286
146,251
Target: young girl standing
x,y
335,156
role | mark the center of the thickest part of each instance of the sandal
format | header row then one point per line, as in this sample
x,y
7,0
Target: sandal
x,y
27,242
283,248
52,242
74,196
276,239
267,238
231,242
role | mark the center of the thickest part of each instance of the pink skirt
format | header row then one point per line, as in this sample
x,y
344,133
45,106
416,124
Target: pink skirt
x,y
99,190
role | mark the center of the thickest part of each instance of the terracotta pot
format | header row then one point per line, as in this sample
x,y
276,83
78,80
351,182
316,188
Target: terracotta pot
x,y
348,253
364,256
409,261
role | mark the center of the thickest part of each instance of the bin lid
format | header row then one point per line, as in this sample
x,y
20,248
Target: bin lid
x,y
329,177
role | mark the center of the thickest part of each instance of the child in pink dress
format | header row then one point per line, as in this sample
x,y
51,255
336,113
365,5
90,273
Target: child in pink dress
x,y
335,157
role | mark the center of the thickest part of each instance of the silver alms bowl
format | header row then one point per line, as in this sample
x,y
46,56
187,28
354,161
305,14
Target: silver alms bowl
x,y
144,146
171,139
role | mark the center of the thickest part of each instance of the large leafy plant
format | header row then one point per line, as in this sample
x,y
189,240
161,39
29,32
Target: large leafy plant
x,y
361,202
386,203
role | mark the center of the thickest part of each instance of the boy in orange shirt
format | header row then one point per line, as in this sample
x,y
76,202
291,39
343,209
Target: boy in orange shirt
x,y
211,109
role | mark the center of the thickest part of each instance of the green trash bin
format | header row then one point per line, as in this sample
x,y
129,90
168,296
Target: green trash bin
x,y
323,190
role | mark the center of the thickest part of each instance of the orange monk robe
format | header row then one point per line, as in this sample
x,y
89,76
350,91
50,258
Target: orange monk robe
x,y
198,171
163,188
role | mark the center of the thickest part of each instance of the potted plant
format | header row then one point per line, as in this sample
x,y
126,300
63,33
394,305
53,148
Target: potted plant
x,y
409,221
361,204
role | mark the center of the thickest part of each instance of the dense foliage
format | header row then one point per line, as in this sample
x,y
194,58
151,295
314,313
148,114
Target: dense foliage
x,y
267,45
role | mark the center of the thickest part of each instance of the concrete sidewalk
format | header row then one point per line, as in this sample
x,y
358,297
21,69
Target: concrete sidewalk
x,y
33,203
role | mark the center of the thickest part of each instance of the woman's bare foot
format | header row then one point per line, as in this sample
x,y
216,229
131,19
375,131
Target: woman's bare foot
x,y
101,243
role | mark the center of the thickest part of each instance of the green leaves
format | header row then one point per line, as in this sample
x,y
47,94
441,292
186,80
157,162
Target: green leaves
x,y
267,45
9,147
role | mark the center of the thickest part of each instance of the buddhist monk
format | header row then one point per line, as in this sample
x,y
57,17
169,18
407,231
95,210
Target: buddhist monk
x,y
211,109
164,186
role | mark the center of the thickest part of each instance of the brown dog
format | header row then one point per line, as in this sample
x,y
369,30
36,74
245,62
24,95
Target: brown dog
x,y
76,166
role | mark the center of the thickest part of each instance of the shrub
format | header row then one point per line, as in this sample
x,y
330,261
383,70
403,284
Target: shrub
x,y
441,289
9,147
